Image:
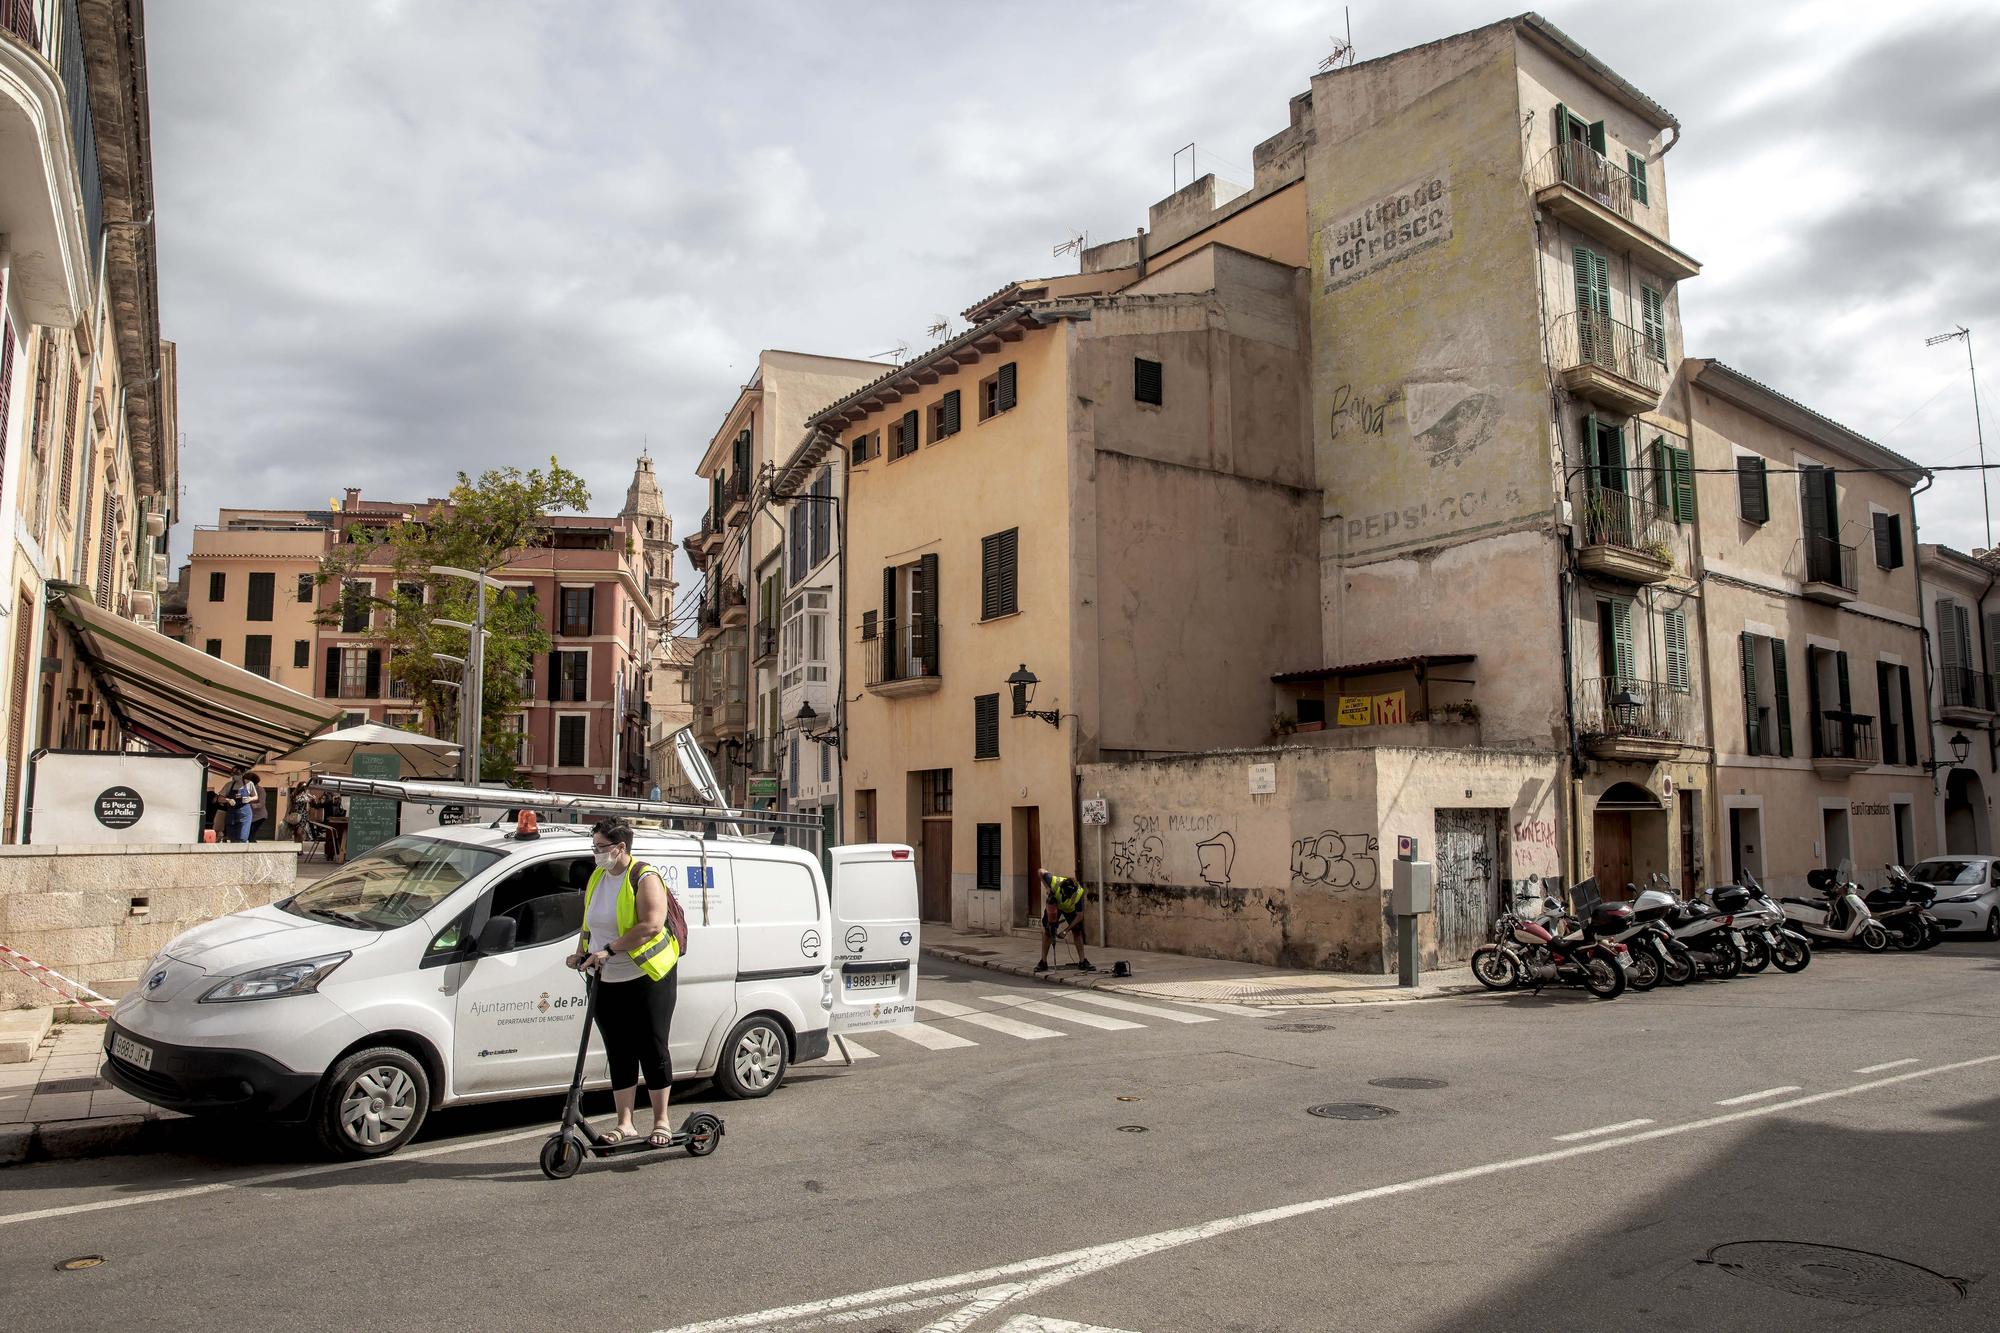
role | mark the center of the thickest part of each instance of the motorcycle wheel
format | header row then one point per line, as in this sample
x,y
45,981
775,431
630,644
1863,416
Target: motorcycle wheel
x,y
1603,978
1873,937
1494,969
1645,971
1679,969
1908,933
1728,959
1791,955
1933,935
1756,954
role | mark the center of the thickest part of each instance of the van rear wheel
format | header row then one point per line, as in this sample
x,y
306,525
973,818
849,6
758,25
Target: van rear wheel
x,y
753,1059
373,1102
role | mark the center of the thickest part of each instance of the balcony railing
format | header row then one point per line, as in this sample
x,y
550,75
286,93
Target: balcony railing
x,y
1614,518
18,17
1965,688
1588,171
765,642
1621,706
1586,338
1841,735
1827,561
902,650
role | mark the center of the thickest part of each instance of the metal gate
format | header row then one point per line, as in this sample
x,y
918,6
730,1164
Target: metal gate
x,y
1468,881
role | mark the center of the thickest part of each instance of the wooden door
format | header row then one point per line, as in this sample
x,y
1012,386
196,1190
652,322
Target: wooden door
x,y
1613,857
1028,848
1467,881
1691,867
935,889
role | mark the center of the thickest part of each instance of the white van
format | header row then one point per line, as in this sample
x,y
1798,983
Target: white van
x,y
430,972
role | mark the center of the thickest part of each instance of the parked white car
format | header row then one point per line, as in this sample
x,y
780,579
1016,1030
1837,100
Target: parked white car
x,y
431,972
1968,891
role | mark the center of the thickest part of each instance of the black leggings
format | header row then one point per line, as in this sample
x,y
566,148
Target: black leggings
x,y
634,1018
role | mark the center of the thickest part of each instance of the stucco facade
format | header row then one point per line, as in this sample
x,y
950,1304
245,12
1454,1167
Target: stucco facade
x,y
1962,620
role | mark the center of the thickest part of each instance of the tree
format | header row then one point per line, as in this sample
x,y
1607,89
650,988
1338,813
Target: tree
x,y
482,524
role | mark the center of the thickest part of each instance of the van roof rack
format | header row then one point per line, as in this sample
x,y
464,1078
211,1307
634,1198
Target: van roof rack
x,y
580,804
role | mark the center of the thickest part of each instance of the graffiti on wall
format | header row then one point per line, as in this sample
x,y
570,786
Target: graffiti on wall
x,y
1216,856
1534,847
1335,860
1143,856
1353,411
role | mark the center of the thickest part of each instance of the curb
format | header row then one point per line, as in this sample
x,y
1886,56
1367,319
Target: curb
x,y
1100,980
64,1140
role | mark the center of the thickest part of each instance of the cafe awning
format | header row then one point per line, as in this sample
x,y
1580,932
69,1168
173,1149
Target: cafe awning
x,y
180,699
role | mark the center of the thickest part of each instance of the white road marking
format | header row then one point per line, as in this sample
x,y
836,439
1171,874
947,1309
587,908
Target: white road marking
x,y
1233,1010
1103,1001
1027,1323
1013,1027
1056,1269
1043,1009
1757,1096
1601,1129
928,1037
1890,1064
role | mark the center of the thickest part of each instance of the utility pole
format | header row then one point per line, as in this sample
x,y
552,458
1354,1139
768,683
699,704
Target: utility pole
x,y
473,696
1978,422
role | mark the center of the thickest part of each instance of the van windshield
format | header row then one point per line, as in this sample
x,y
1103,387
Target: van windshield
x,y
392,885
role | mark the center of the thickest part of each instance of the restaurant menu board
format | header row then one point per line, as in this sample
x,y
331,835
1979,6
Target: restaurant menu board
x,y
371,819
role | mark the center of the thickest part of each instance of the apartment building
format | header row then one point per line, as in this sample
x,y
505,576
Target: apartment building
x,y
251,589
737,549
1812,613
87,428
670,698
1962,619
808,490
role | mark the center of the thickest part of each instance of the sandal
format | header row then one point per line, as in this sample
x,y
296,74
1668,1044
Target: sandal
x,y
660,1137
614,1135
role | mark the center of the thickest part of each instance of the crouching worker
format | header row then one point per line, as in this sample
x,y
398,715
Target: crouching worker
x,y
1062,905
626,939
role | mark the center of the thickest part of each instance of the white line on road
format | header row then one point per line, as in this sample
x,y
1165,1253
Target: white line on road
x,y
1056,1269
1757,1096
928,1037
1152,1010
1043,1009
1601,1129
1890,1064
1013,1027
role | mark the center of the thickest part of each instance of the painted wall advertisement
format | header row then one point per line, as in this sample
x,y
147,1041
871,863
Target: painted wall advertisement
x,y
1412,217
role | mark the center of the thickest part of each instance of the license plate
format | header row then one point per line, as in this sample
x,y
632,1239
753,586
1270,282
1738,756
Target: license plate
x,y
135,1053
1624,960
871,980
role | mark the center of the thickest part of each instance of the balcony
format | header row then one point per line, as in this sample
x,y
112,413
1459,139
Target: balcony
x,y
736,499
1578,185
1635,721
764,643
735,610
708,620
902,657
1829,570
731,718
45,198
1966,695
1611,364
1625,538
1844,743
701,542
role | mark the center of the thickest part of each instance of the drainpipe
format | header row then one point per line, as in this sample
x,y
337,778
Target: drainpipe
x,y
1711,818
1923,635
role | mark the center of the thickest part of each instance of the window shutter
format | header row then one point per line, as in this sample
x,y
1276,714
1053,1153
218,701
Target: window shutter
x,y
301,653
796,538
1586,305
1884,540
1822,503
1753,501
1621,638
1840,678
1782,690
1683,460
1010,546
890,629
1635,167
1597,140
1562,123
1885,706
374,681
1147,383
1653,313
1004,390
1748,644
1678,677
986,726
1992,639
555,677
1909,717
868,620
951,413
1664,474
924,617
333,673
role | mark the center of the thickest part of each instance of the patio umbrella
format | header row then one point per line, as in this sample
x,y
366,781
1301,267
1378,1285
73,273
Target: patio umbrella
x,y
422,756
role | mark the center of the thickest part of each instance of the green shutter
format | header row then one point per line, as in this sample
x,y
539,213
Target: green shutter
x,y
1678,676
1653,318
1562,123
1597,139
1635,167
1782,690
1751,732
1683,466
1621,639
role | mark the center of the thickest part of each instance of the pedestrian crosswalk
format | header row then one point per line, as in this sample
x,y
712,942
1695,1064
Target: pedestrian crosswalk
x,y
955,1024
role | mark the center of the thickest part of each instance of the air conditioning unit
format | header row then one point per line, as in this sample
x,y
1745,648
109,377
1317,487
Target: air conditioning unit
x,y
142,605
160,582
156,525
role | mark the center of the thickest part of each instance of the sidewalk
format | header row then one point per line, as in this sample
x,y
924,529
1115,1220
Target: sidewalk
x,y
1170,976
55,1105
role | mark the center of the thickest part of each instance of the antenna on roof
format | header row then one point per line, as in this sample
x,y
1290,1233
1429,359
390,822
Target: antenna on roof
x,y
898,352
1343,48
1078,242
940,329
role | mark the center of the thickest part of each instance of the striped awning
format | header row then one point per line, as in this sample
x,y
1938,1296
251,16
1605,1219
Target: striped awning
x,y
180,699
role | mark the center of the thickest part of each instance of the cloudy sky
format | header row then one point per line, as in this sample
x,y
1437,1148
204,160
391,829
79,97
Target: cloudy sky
x,y
404,237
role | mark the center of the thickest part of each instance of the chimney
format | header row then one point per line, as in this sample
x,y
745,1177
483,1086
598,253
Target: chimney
x,y
353,497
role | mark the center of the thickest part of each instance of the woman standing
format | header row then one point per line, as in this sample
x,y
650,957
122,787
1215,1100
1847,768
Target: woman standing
x,y
635,977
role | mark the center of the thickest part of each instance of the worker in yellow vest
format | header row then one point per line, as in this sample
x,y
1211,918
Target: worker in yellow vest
x,y
1062,905
635,977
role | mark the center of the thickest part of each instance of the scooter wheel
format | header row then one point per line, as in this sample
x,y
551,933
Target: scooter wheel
x,y
1792,955
1874,937
562,1156
704,1135
1756,954
1908,934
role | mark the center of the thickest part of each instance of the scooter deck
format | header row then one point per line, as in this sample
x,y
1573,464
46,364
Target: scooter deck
x,y
637,1145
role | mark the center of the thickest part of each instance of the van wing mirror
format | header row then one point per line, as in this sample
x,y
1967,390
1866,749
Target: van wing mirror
x,y
497,935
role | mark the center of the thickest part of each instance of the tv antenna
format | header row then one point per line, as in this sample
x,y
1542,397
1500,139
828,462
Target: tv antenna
x,y
897,353
1343,47
1978,422
941,329
1076,244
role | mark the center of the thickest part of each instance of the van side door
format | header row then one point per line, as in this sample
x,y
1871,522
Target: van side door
x,y
705,985
520,1013
876,936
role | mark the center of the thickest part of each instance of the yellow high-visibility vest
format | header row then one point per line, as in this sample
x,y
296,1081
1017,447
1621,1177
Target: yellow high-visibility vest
x,y
655,957
1066,892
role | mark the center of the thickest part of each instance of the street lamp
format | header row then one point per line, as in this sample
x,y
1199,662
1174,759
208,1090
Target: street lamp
x,y
1961,748
1023,683
473,700
809,715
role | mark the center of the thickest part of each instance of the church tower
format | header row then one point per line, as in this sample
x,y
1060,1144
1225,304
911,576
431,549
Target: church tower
x,y
646,515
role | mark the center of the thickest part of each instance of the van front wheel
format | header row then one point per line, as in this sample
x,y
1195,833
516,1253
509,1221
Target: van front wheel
x,y
753,1059
373,1102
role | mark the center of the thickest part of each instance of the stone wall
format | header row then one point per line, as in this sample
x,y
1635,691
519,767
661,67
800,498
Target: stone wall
x,y
98,913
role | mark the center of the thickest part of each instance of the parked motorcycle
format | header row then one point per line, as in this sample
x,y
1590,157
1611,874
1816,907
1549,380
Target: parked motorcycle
x,y
1903,907
1525,952
1709,937
1767,933
1656,955
1838,915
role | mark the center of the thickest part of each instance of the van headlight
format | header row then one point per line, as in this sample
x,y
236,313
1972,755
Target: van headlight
x,y
268,983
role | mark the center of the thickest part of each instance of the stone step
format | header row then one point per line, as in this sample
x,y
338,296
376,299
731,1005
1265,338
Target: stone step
x,y
21,1034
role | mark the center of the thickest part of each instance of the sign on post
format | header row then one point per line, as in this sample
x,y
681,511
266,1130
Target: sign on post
x,y
1096,812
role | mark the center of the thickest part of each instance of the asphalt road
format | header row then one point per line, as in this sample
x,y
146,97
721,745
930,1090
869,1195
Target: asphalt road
x,y
1656,1162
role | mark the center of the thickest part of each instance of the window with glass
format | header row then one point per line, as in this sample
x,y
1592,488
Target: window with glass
x,y
392,885
572,738
804,643
354,595
576,611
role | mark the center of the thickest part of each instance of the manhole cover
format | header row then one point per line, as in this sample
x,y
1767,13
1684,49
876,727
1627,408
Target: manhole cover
x,y
71,1085
1832,1273
1131,1129
78,1264
1300,1027
1349,1111
1407,1083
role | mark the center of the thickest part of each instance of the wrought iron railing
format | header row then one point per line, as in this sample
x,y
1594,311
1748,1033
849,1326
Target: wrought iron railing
x,y
765,641
1827,561
1614,518
1627,706
902,650
1586,338
1965,688
736,490
1588,171
1839,735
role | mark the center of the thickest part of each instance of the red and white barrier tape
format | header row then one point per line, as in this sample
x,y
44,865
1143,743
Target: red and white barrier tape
x,y
35,972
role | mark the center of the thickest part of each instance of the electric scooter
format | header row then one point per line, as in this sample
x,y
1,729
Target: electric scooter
x,y
563,1153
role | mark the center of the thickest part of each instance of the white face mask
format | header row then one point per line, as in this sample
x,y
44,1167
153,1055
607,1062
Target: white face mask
x,y
606,860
